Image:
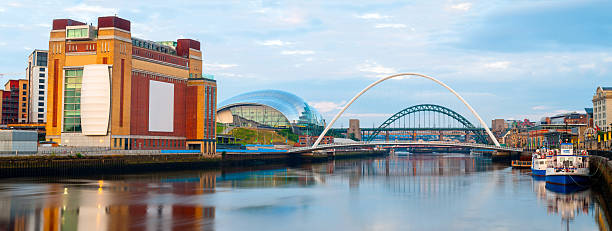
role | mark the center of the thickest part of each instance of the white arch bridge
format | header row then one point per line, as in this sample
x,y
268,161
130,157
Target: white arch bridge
x,y
402,144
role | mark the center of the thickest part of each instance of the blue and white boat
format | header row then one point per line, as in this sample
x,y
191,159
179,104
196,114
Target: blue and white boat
x,y
567,167
538,163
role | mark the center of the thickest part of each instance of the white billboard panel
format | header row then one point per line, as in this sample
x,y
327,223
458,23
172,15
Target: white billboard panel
x,y
161,106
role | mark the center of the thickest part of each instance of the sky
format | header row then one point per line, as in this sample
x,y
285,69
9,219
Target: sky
x,y
508,59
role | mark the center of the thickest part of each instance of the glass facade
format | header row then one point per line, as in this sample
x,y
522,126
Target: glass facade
x,y
72,100
41,59
260,114
77,33
273,103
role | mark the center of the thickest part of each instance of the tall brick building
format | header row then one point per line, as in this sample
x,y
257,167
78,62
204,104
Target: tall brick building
x,y
14,100
108,89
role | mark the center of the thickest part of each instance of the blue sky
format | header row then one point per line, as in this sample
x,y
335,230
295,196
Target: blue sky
x,y
509,59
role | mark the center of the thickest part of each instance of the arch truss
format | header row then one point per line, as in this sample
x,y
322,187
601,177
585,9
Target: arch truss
x,y
460,122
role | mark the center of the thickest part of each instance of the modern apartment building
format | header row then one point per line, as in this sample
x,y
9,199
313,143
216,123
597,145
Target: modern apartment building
x,y
109,89
14,101
602,105
36,74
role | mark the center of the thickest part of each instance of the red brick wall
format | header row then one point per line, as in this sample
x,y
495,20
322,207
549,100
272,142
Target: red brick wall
x,y
140,105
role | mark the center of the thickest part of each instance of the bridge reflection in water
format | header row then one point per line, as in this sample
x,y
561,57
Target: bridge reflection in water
x,y
411,191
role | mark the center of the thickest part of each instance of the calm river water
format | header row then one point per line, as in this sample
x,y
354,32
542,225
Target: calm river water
x,y
418,192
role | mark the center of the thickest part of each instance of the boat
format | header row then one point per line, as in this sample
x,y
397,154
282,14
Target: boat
x,y
521,164
566,167
538,163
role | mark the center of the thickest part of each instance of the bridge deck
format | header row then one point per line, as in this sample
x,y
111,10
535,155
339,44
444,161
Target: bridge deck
x,y
405,143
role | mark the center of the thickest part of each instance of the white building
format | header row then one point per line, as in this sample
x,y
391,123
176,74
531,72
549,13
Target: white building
x,y
602,108
36,73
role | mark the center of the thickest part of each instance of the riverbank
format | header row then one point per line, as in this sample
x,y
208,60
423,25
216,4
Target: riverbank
x,y
18,166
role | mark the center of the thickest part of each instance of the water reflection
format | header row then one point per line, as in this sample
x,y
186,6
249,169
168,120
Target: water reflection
x,y
431,192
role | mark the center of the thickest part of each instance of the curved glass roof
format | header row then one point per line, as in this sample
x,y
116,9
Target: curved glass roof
x,y
293,107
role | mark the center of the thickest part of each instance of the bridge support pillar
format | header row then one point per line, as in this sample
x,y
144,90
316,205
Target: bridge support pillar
x,y
387,136
414,135
441,136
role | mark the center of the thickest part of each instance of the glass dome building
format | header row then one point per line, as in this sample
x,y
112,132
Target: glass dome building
x,y
268,108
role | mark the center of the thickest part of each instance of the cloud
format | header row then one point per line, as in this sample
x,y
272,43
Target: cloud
x,y
540,107
360,115
375,68
274,43
372,16
327,106
498,65
297,52
89,12
587,66
218,66
390,25
465,6
233,75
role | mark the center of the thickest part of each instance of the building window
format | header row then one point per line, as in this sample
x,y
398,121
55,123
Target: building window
x,y
41,75
41,104
23,104
23,98
41,86
41,115
23,110
41,121
24,87
72,100
42,69
24,92
77,33
41,98
41,81
41,92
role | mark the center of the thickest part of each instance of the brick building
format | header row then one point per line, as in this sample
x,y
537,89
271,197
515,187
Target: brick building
x,y
109,89
14,100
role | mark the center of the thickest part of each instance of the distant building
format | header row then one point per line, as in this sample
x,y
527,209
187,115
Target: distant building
x,y
498,125
36,74
602,108
354,130
589,113
109,89
14,102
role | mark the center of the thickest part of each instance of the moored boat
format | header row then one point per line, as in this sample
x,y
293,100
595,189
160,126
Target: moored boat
x,y
538,163
567,167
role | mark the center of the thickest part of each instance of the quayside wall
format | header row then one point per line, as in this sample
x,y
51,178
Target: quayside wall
x,y
18,166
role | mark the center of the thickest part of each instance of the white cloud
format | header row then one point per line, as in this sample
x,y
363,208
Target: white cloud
x,y
498,65
375,68
540,107
218,66
390,25
3,44
608,59
297,52
327,106
84,8
274,43
2,10
465,6
587,66
361,115
14,4
372,16
233,75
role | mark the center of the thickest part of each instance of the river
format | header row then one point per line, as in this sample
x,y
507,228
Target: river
x,y
417,192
